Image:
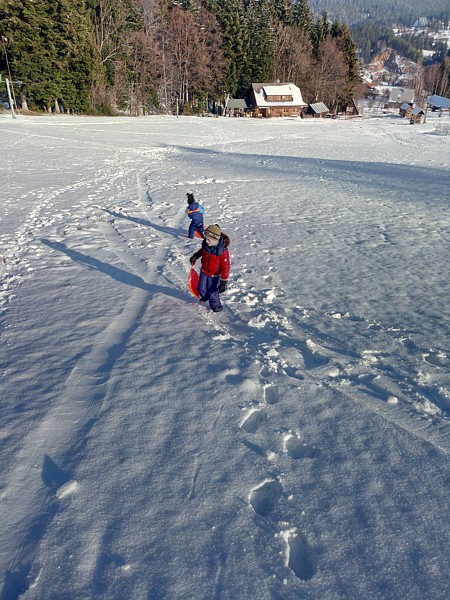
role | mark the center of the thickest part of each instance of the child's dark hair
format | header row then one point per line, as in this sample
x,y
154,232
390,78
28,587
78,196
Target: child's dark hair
x,y
190,198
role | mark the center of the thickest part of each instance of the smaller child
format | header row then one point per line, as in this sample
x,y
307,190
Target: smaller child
x,y
195,212
215,267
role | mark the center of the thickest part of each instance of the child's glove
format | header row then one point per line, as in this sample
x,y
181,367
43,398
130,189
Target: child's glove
x,y
193,259
222,286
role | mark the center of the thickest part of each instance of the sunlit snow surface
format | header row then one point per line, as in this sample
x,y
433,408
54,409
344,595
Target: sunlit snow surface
x,y
295,445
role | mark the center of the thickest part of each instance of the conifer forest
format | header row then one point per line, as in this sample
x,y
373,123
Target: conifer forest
x,y
145,56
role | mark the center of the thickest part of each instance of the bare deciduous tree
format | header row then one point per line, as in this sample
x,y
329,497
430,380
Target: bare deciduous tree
x,y
436,78
192,53
292,57
329,73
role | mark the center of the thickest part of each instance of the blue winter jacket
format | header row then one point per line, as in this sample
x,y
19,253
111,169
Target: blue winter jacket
x,y
195,212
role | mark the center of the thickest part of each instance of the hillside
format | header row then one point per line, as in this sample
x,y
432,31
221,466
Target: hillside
x,y
294,446
402,11
388,66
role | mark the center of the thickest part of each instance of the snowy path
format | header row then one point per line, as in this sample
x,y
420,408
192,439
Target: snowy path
x,y
296,444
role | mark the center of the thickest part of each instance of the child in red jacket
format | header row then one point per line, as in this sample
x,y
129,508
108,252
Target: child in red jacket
x,y
215,267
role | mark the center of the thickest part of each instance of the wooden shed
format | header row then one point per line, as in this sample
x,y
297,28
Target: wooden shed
x,y
348,109
237,107
317,110
406,110
416,116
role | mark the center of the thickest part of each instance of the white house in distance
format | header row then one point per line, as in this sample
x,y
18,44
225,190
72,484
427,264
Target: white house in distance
x,y
399,96
276,100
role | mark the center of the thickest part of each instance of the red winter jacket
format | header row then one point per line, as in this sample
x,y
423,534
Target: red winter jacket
x,y
215,259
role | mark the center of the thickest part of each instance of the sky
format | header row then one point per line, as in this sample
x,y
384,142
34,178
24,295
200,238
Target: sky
x,y
295,445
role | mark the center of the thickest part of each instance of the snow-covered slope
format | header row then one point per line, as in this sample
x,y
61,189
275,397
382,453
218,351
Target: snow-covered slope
x,y
295,445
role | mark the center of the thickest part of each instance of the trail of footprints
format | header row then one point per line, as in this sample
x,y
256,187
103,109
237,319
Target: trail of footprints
x,y
269,338
264,497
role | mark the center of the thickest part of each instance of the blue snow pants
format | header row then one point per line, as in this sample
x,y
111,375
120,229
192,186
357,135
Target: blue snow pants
x,y
208,288
196,226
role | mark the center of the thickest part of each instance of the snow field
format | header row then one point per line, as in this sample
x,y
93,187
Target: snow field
x,y
296,445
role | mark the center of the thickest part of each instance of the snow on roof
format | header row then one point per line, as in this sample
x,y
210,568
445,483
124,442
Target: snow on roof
x,y
401,95
319,107
262,90
277,90
438,101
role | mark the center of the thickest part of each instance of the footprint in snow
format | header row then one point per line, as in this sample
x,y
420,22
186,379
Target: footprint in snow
x,y
312,356
299,556
296,449
264,497
67,489
271,394
253,420
436,359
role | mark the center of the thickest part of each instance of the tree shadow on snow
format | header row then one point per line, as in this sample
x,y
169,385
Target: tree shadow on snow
x,y
411,182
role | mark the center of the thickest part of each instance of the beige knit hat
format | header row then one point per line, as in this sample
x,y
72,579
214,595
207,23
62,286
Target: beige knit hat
x,y
213,231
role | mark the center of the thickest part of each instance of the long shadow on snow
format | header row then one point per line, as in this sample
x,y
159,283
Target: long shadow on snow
x,y
419,181
167,230
115,272
17,578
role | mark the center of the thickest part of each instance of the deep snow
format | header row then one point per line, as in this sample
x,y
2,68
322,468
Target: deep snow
x,y
295,445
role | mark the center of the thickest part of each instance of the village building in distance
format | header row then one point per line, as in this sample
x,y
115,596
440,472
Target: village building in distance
x,y
266,100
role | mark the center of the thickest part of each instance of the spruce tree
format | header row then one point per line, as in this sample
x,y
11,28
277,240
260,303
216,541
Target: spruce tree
x,y
349,53
260,48
50,50
284,11
231,16
302,16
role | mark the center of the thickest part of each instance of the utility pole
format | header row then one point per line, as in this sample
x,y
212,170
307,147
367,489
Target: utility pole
x,y
4,40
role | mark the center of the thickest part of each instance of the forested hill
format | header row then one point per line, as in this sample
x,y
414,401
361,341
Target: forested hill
x,y
110,56
403,12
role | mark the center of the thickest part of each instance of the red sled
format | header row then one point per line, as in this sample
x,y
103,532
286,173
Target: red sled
x,y
193,279
198,234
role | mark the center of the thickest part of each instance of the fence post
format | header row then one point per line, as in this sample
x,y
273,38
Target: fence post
x,y
11,104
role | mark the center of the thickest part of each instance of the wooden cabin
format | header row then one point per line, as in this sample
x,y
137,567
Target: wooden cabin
x,y
276,100
439,103
406,110
348,109
416,116
237,107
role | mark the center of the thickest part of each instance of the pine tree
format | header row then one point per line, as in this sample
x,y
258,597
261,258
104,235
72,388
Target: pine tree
x,y
76,55
50,50
260,48
319,32
302,16
349,53
25,29
231,16
284,11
